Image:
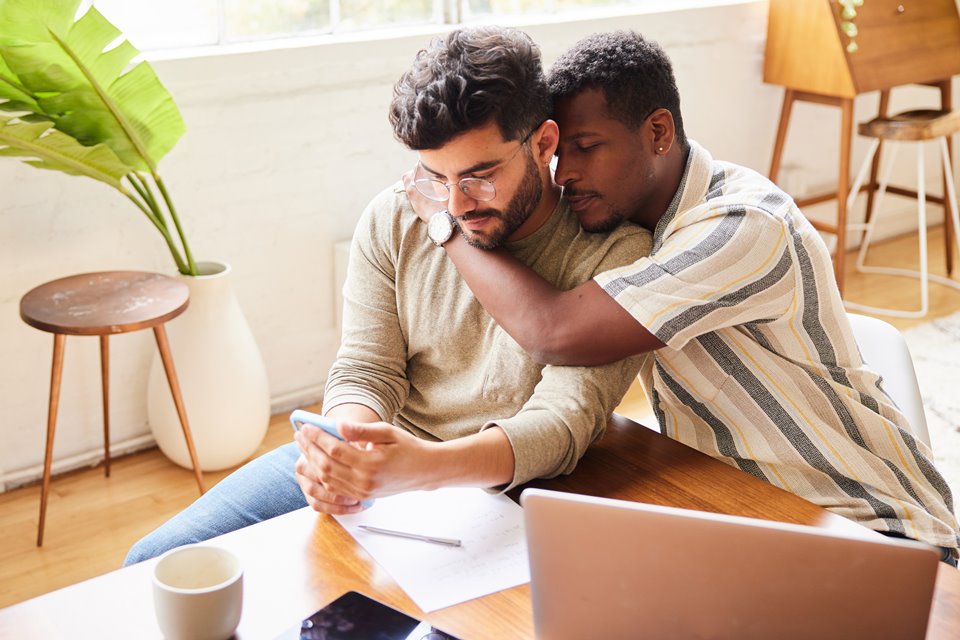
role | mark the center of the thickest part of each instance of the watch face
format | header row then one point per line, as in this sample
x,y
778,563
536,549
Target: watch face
x,y
440,227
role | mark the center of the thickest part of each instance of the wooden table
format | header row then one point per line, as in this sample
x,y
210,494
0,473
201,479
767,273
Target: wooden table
x,y
297,563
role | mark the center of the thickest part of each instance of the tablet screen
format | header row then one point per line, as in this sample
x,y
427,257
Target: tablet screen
x,y
354,616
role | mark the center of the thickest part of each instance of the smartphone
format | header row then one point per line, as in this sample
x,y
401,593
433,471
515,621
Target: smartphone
x,y
300,417
354,616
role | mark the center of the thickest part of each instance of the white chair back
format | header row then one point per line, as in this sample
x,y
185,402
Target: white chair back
x,y
885,351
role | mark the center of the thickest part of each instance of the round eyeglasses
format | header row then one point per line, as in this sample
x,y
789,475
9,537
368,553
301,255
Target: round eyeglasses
x,y
481,189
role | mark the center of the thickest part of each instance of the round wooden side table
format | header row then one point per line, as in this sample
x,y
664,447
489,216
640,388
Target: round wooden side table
x,y
100,304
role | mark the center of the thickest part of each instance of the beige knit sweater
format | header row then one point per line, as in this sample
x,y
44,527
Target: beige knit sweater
x,y
420,351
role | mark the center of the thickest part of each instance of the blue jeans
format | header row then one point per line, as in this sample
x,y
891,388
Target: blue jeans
x,y
263,488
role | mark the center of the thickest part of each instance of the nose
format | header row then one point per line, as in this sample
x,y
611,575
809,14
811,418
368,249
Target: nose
x,y
460,203
565,172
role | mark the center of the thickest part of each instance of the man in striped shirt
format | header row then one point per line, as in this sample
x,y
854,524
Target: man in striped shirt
x,y
754,360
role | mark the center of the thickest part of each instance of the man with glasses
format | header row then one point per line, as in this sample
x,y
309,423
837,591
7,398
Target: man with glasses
x,y
472,224
427,390
753,360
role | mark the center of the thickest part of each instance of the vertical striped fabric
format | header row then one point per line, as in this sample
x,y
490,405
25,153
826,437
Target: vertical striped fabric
x,y
761,369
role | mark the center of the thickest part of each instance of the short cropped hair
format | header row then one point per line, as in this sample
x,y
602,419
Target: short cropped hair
x,y
467,79
634,74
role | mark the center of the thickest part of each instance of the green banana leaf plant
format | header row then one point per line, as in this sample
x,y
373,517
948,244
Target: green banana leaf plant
x,y
73,99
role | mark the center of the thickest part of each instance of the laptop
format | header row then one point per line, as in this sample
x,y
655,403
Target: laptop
x,y
611,569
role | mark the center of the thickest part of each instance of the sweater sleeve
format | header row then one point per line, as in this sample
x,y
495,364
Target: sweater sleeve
x,y
370,368
568,410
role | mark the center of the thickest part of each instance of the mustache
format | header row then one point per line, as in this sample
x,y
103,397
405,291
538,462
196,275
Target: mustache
x,y
569,192
481,213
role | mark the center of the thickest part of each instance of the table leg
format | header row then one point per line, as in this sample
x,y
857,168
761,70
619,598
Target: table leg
x,y
785,110
843,188
59,341
105,383
872,185
167,359
946,103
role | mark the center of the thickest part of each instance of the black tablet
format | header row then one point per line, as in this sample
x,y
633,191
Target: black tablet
x,y
354,616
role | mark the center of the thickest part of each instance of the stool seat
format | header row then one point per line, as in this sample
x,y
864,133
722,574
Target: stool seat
x,y
102,304
93,304
917,124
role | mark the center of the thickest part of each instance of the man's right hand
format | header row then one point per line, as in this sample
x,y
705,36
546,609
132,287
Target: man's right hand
x,y
308,476
423,207
318,498
378,459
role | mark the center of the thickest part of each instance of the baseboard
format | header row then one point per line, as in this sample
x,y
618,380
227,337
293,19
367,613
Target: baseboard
x,y
20,477
296,399
13,479
898,218
900,221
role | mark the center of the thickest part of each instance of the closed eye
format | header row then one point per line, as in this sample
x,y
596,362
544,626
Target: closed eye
x,y
578,148
482,177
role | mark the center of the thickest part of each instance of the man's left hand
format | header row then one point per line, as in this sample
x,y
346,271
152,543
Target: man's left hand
x,y
377,460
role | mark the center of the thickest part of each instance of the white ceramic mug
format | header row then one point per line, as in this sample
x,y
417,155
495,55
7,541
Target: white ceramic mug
x,y
198,593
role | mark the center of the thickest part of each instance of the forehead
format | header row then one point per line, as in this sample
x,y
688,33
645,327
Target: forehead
x,y
477,149
585,112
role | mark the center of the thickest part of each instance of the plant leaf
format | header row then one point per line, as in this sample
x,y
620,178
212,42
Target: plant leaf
x,y
13,95
84,87
51,149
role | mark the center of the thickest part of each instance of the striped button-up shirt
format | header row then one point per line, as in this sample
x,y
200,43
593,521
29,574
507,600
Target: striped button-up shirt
x,y
761,369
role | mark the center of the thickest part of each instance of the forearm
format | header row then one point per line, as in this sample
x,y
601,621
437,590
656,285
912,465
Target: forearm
x,y
499,281
484,459
580,326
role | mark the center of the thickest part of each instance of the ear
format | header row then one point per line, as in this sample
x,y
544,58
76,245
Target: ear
x,y
663,133
545,140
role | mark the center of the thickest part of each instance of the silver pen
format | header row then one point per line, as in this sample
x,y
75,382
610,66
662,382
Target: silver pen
x,y
448,542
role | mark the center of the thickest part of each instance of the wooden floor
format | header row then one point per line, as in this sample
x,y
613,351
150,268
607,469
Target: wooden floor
x,y
92,521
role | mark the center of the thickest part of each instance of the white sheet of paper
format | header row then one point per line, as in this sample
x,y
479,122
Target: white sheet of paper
x,y
493,555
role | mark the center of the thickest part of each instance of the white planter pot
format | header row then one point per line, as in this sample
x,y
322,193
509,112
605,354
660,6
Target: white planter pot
x,y
222,378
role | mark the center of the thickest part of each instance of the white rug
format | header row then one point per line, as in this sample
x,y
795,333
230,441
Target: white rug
x,y
935,349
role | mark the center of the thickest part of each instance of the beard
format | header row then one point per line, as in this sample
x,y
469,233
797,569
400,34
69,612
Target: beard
x,y
517,211
611,217
608,223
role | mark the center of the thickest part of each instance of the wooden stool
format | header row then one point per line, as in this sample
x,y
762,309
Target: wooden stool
x,y
98,304
898,43
910,126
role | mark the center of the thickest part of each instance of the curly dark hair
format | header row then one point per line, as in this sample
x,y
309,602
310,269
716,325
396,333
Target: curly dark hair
x,y
466,79
635,75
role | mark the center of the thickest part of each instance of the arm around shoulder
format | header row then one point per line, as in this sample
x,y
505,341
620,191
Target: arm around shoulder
x,y
580,326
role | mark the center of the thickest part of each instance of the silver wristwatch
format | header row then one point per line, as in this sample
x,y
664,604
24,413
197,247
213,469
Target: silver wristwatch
x,y
440,227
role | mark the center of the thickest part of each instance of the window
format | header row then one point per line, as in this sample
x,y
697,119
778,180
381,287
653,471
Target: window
x,y
524,7
151,25
167,24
